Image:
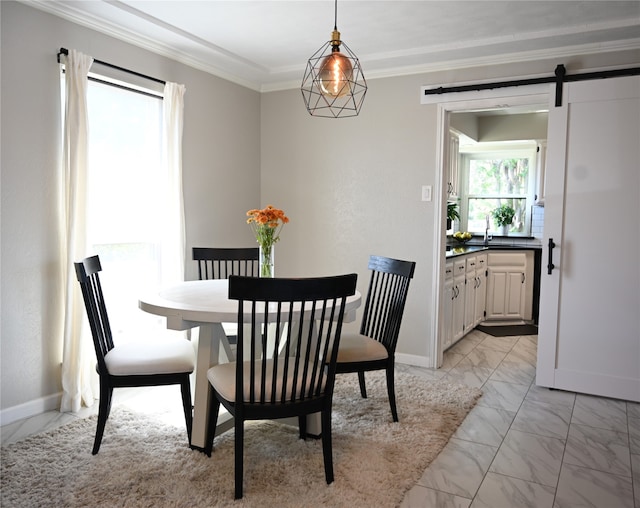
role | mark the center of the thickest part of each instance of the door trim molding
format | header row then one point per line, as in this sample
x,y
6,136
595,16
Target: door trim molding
x,y
466,101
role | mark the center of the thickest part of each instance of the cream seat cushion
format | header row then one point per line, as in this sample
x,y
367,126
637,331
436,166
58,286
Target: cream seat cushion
x,y
164,356
360,348
223,378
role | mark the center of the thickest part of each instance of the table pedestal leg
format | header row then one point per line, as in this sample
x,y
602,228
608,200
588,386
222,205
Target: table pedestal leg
x,y
209,339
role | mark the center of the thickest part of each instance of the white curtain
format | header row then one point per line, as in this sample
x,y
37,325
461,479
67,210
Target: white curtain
x,y
173,243
77,349
79,381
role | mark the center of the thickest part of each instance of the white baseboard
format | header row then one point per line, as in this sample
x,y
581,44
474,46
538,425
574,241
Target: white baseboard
x,y
31,408
415,360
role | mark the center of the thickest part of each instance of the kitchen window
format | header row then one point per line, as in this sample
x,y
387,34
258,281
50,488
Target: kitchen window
x,y
496,174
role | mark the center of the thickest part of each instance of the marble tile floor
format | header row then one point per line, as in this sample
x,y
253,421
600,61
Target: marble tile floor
x,y
528,446
521,446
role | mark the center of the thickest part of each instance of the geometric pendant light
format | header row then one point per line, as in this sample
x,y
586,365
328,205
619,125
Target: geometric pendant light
x,y
333,85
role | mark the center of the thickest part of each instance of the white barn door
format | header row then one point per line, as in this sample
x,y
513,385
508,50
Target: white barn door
x,y
589,330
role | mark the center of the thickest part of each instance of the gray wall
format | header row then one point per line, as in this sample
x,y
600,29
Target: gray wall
x,y
221,168
507,127
351,186
513,127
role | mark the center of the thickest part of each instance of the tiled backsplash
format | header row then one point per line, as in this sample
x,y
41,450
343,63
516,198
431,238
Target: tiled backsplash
x,y
537,222
511,241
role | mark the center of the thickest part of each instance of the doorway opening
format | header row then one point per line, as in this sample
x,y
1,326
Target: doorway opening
x,y
491,118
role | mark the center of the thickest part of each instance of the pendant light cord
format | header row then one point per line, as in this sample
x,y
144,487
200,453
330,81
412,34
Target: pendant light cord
x,y
335,16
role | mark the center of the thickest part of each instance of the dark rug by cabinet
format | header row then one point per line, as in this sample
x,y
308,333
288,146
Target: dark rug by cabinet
x,y
508,330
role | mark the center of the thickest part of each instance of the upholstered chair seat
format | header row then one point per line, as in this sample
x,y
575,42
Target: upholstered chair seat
x,y
223,379
164,356
360,348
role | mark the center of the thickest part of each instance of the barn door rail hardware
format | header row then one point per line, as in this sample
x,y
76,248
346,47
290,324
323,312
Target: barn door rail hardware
x,y
559,78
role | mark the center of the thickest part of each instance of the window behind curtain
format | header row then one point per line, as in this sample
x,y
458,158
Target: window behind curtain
x,y
125,175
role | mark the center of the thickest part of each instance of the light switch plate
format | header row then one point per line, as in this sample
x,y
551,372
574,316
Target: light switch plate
x,y
426,193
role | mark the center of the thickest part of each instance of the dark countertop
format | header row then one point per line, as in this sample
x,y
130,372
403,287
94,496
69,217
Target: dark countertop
x,y
459,250
498,244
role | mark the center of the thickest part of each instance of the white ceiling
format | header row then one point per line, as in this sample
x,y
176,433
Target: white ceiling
x,y
265,44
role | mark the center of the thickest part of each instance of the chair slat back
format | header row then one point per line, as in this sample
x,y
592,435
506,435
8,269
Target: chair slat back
x,y
290,355
220,263
87,274
386,299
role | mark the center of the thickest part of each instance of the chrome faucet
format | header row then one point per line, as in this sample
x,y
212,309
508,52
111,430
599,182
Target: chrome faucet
x,y
486,234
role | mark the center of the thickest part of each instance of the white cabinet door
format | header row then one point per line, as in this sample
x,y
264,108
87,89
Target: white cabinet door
x,y
459,273
481,289
470,284
509,295
496,292
505,292
589,327
447,298
514,307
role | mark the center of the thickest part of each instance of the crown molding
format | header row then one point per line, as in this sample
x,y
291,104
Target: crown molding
x,y
255,77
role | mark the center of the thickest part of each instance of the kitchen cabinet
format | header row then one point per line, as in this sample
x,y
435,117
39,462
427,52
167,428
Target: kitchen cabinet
x,y
448,295
480,288
485,285
463,297
509,285
470,284
505,293
459,276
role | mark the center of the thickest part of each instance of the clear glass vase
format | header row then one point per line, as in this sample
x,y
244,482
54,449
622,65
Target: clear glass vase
x,y
266,261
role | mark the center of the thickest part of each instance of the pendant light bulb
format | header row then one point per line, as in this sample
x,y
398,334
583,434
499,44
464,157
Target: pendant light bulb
x,y
336,71
333,85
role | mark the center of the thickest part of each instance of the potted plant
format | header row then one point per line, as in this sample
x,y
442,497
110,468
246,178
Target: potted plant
x,y
503,215
452,213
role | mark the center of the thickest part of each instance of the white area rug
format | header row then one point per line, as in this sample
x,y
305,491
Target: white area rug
x,y
145,463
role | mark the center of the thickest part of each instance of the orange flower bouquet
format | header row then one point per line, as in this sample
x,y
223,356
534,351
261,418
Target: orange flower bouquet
x,y
266,225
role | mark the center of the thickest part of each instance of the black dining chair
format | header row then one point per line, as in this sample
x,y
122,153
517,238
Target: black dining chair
x,y
375,346
287,373
219,262
165,361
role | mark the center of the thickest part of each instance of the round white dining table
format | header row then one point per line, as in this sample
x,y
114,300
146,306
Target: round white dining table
x,y
205,304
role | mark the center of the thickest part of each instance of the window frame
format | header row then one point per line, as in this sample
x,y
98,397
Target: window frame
x,y
497,150
137,322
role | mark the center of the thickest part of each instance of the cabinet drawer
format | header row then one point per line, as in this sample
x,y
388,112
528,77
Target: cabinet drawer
x,y
481,262
472,263
507,259
459,267
448,271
